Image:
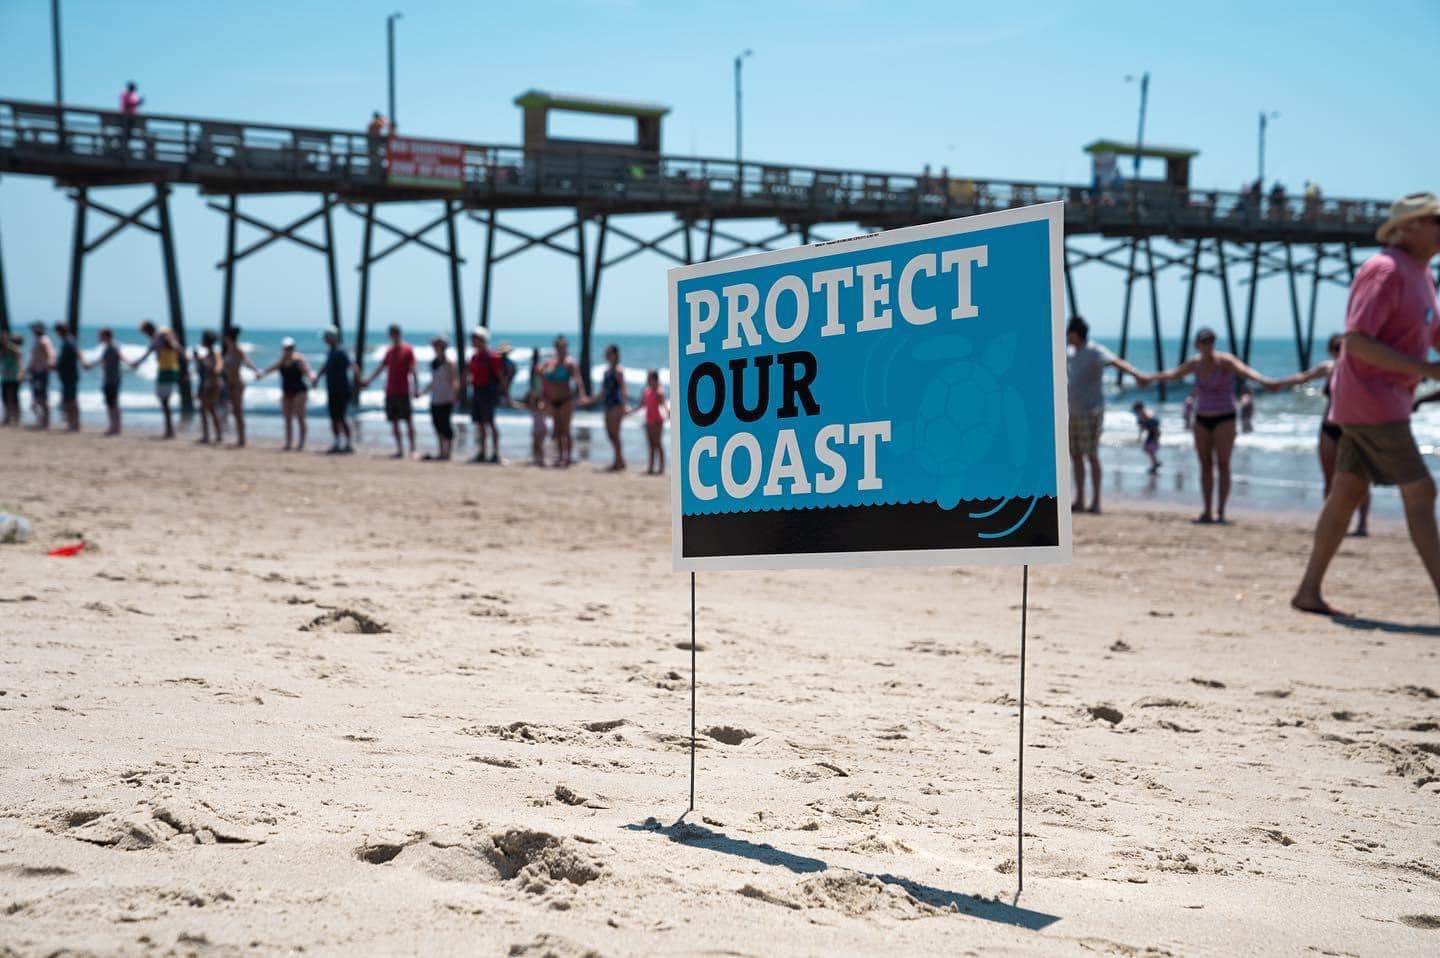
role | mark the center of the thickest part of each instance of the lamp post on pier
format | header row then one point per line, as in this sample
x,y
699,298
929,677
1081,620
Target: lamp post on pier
x,y
1265,118
1144,79
55,44
739,60
390,59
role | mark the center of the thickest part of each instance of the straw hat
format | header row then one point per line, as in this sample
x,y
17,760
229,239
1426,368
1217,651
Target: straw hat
x,y
1406,209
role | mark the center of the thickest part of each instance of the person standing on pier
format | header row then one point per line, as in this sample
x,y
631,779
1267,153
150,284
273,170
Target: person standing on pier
x,y
1086,364
402,384
130,103
168,357
1392,323
336,372
67,369
42,360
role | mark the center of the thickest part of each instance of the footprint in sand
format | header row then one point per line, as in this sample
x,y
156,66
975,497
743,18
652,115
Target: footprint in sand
x,y
1107,713
728,735
1424,922
345,622
537,862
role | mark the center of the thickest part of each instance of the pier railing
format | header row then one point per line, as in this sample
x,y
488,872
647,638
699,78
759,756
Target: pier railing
x,y
85,145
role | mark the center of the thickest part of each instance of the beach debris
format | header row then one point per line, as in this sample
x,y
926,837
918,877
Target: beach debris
x,y
14,528
728,735
1108,713
345,622
1120,645
66,551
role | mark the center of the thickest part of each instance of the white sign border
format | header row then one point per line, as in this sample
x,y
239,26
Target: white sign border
x,y
1053,214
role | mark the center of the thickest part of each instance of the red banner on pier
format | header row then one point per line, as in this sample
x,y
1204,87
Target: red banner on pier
x,y
428,163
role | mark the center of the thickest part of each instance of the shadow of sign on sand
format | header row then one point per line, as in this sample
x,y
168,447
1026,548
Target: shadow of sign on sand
x,y
986,909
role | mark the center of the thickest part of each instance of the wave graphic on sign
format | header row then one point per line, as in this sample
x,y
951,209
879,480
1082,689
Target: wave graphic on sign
x,y
1029,511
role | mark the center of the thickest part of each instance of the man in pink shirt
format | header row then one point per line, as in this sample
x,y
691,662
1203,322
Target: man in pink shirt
x,y
1392,323
130,101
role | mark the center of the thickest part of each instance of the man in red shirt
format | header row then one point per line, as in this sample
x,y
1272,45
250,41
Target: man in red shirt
x,y
483,372
401,383
1392,323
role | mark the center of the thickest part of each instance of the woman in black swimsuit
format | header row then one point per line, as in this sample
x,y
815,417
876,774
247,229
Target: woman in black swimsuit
x,y
1330,432
295,379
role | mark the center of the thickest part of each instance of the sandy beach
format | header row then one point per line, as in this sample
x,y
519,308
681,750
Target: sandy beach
x,y
289,703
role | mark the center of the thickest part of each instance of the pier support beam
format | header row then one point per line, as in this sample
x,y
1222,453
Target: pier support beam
x,y
274,234
451,252
82,246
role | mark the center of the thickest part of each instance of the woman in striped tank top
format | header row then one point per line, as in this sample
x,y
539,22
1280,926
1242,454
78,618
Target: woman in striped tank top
x,y
1215,373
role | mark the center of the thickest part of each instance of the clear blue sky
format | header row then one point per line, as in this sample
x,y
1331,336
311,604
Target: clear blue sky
x,y
990,90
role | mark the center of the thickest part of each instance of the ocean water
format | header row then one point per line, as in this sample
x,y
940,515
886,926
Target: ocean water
x,y
1274,467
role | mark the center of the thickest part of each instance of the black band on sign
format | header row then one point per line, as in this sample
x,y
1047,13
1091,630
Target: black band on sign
x,y
873,529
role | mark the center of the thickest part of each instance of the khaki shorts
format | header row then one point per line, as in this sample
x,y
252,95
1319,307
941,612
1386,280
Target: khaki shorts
x,y
1085,431
1383,453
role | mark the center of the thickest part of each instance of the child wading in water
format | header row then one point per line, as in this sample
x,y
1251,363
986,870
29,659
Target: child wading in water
x,y
652,400
1149,425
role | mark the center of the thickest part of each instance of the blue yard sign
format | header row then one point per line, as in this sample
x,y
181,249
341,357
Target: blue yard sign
x,y
891,399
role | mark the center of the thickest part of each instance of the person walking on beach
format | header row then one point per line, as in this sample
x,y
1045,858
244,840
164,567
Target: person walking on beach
x,y
652,401
1086,363
484,373
561,386
11,349
336,373
1328,443
1216,412
67,370
232,360
168,355
1149,425
616,404
1392,323
401,384
295,380
109,363
42,360
443,387
211,369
